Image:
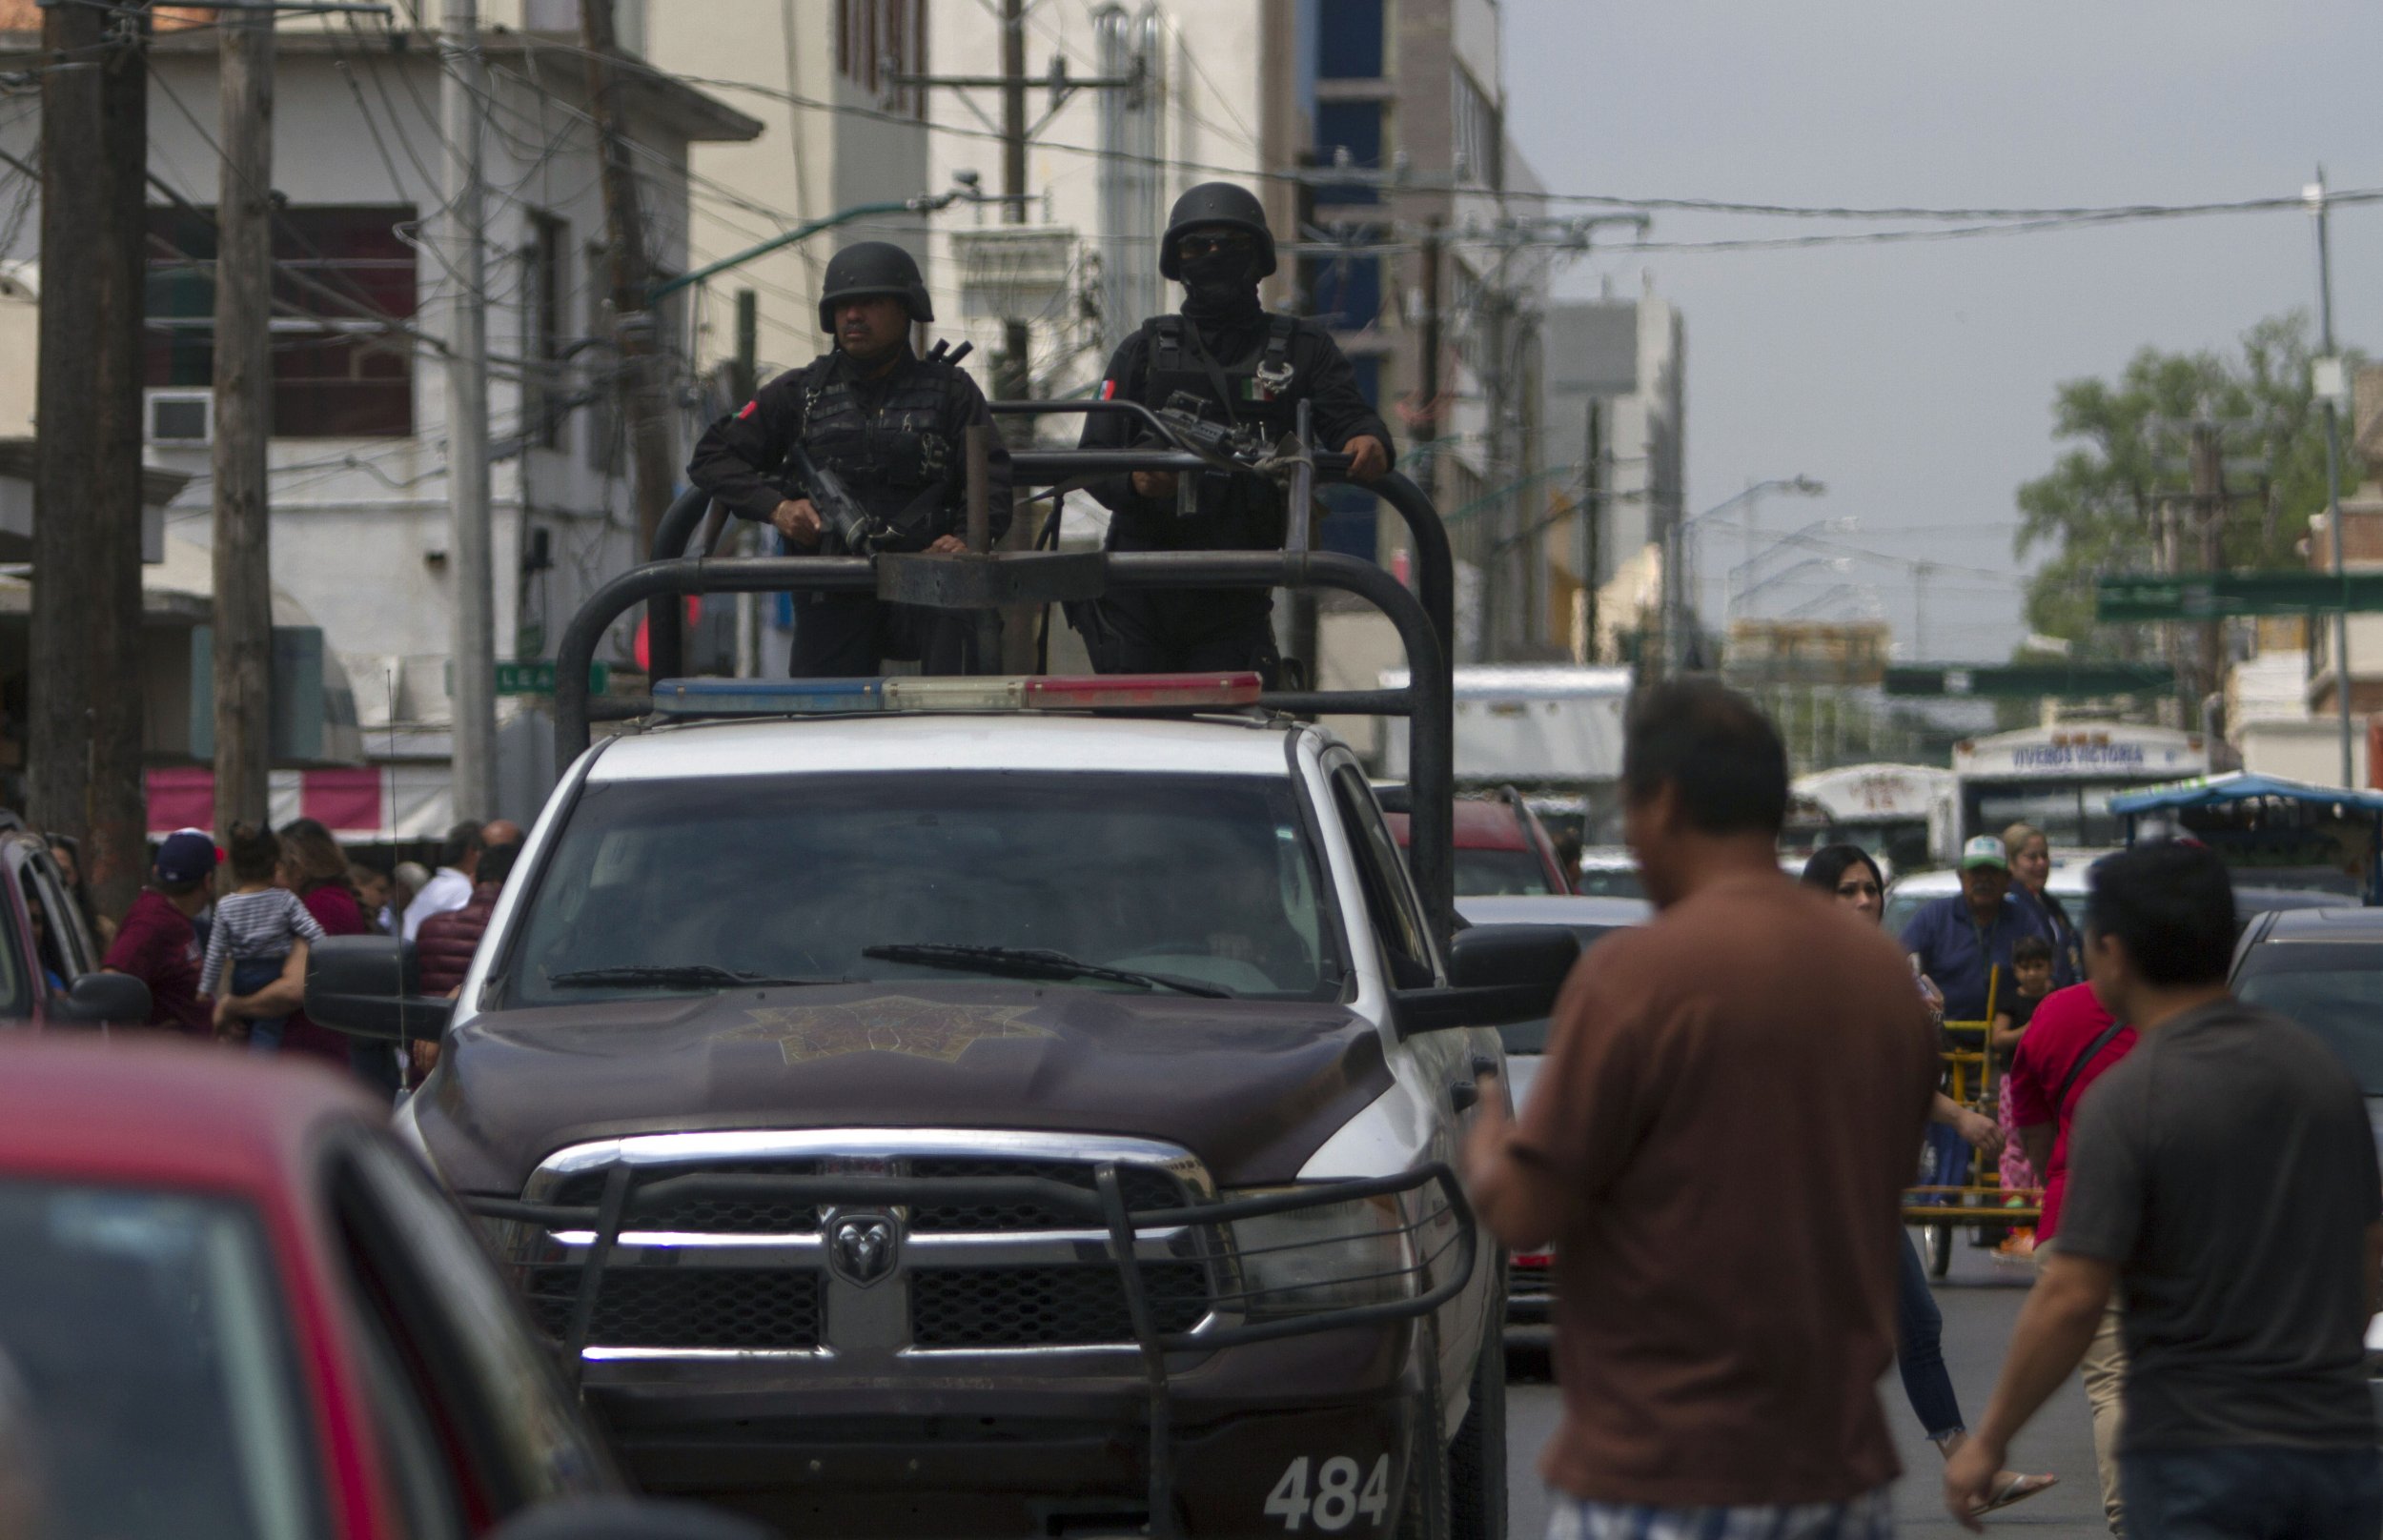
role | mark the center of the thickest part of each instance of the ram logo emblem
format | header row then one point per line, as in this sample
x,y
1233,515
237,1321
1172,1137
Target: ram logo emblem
x,y
861,1248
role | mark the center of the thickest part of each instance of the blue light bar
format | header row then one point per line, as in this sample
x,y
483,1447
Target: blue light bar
x,y
765,697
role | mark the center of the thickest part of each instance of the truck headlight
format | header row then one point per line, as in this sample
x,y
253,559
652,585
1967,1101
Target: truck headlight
x,y
1330,1256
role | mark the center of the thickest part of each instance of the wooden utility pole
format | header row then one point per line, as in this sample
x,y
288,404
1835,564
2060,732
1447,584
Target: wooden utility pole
x,y
1014,376
243,560
2209,505
83,772
462,232
1592,527
644,399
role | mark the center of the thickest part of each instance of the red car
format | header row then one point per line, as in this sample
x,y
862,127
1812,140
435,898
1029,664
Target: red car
x,y
1501,846
231,1307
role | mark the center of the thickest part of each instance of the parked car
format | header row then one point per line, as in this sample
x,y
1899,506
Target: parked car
x,y
234,1307
1530,1290
49,973
1501,846
2068,884
2324,969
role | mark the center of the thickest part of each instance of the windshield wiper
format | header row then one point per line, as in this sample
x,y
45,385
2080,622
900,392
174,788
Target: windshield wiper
x,y
673,976
1033,963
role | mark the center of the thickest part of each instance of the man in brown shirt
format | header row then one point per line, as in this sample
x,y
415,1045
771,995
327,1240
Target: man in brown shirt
x,y
1731,1107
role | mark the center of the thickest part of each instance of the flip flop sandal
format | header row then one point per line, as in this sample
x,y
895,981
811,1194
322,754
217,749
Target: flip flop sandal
x,y
2017,1489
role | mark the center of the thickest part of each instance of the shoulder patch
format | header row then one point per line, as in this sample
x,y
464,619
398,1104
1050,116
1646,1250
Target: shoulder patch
x,y
1108,389
749,408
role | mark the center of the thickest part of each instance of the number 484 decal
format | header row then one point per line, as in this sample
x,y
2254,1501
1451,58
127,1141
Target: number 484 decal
x,y
1335,1501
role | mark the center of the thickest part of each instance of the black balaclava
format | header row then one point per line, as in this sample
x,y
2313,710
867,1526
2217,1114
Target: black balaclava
x,y
1221,286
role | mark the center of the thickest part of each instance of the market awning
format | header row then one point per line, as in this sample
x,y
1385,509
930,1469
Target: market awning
x,y
360,804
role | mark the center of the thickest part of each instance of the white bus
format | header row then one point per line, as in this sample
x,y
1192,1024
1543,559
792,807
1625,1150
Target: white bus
x,y
2060,779
1902,813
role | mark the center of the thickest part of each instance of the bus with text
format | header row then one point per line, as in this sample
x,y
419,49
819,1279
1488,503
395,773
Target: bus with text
x,y
2061,779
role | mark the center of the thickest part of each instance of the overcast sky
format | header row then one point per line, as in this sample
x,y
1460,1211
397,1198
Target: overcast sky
x,y
1917,380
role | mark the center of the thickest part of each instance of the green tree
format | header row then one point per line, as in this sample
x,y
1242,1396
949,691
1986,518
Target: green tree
x,y
2098,509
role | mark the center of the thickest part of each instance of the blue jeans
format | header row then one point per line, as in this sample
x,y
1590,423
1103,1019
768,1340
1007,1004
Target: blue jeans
x,y
2252,1492
250,974
1920,1348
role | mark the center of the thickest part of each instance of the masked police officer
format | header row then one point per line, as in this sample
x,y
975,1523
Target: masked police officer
x,y
1228,361
890,427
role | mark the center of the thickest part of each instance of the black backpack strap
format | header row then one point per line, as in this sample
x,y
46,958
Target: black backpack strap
x,y
1273,368
2060,1096
1165,342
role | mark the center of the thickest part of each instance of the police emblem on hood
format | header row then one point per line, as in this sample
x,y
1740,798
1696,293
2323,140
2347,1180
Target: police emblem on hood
x,y
890,1023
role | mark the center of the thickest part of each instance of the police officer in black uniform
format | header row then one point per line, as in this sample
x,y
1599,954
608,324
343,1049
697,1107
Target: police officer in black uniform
x,y
890,426
1230,361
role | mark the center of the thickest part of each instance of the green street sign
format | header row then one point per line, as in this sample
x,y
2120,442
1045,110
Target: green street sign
x,y
2208,595
2030,679
536,677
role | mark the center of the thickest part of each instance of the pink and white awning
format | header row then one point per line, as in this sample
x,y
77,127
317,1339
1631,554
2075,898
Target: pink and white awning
x,y
360,804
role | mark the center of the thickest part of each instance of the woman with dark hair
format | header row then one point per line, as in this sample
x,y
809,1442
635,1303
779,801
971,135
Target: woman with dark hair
x,y
1849,874
321,869
2031,853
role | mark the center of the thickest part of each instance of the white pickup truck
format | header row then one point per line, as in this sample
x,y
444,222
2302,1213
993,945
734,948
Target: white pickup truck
x,y
970,1112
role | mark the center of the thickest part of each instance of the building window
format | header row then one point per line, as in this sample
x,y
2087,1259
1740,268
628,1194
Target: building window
x,y
878,37
545,279
1355,126
1480,135
1349,40
342,278
1344,290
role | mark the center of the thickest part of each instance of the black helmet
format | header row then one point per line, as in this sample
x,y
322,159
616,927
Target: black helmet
x,y
872,268
1216,203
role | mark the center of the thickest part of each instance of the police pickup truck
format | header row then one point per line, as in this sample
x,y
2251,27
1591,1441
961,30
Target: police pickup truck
x,y
956,1109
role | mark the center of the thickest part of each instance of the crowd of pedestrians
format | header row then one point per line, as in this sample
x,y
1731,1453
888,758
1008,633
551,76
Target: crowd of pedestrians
x,y
2211,1211
220,937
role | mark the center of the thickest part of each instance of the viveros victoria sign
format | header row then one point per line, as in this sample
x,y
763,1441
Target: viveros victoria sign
x,y
2126,751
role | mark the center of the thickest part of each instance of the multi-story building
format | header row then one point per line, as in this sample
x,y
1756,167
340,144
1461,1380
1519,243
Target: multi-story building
x,y
360,522
1616,404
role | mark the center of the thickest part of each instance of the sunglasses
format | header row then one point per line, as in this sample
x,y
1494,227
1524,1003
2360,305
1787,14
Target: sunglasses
x,y
1204,245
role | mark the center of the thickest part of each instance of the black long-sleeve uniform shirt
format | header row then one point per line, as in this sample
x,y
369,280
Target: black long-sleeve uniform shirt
x,y
1321,376
743,460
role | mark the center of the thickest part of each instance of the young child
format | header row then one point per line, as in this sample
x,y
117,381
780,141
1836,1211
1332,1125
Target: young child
x,y
2031,968
257,925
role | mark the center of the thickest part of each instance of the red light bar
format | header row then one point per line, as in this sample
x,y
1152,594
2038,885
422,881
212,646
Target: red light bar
x,y
1144,690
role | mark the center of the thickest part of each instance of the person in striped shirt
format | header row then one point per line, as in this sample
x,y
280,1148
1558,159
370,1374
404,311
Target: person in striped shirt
x,y
257,926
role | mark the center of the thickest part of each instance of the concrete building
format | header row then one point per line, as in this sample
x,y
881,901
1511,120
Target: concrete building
x,y
1615,391
360,521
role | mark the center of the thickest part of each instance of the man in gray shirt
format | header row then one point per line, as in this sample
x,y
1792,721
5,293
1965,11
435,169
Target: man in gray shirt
x,y
2223,1179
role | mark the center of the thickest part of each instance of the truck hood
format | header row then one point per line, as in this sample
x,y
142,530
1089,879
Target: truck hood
x,y
1251,1087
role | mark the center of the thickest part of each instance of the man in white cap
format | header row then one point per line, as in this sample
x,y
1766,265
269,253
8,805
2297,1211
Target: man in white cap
x,y
1961,938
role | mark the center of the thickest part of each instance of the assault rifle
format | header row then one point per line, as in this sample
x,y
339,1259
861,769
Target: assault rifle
x,y
862,533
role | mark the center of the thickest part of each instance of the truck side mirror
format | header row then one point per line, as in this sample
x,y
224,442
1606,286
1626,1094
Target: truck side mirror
x,y
367,986
102,1000
1497,974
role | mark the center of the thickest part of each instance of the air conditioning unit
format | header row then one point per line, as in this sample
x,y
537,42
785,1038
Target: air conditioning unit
x,y
182,418
1013,272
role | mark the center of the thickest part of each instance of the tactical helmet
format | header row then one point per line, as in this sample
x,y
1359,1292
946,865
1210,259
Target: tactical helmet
x,y
1216,203
872,268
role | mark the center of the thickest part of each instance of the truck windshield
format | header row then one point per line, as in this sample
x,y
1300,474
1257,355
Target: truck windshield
x,y
152,1350
684,884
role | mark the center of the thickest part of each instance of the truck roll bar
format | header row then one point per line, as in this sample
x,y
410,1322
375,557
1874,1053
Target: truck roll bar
x,y
1426,703
1435,564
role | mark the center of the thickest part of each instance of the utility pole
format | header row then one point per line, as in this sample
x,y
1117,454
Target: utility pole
x,y
2209,506
1016,381
243,380
644,401
1427,419
83,729
1591,556
471,687
2315,194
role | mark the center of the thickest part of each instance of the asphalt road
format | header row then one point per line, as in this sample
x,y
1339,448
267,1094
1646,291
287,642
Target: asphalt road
x,y
1980,1302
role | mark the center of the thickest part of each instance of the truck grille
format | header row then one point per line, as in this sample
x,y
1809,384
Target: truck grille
x,y
713,1272
959,1308
683,1308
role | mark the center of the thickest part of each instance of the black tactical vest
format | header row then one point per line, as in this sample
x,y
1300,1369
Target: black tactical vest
x,y
1235,510
892,455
